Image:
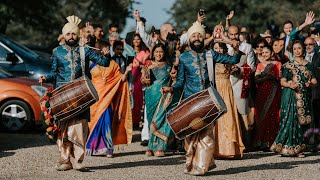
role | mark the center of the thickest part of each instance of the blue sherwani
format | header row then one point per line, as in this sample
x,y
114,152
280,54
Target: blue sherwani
x,y
193,77
66,64
193,72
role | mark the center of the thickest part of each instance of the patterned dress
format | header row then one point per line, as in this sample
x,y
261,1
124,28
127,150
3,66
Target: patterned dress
x,y
295,112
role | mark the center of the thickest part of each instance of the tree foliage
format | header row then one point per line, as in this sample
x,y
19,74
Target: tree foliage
x,y
39,22
249,13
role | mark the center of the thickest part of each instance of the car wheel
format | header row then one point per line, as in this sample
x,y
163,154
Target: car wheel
x,y
15,115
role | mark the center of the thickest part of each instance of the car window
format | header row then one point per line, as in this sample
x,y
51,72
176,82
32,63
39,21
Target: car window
x,y
3,54
5,74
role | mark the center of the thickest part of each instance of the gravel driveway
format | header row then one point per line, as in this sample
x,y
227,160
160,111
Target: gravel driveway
x,y
32,156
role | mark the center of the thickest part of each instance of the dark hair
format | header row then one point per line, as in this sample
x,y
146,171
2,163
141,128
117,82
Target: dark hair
x,y
142,45
82,25
280,55
170,44
113,25
298,42
157,46
95,26
288,22
225,50
117,43
222,45
314,31
101,44
258,41
268,47
143,19
246,36
208,30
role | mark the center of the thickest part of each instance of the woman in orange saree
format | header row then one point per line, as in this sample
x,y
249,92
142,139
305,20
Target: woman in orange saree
x,y
111,119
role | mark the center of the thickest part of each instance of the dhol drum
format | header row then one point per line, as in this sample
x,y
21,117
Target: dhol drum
x,y
196,112
72,99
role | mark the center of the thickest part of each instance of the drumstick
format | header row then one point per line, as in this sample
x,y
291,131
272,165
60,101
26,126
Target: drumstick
x,y
94,48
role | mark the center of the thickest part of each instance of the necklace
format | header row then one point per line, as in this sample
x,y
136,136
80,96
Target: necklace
x,y
297,62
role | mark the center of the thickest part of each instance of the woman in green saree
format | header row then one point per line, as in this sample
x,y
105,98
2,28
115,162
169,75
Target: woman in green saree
x,y
295,112
155,75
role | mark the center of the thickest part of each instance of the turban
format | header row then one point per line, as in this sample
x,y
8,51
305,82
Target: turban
x,y
196,27
72,25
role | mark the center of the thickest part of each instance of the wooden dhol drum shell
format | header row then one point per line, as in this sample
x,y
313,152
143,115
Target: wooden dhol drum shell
x,y
196,112
72,99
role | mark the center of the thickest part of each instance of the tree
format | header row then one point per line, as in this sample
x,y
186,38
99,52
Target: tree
x,y
40,22
249,13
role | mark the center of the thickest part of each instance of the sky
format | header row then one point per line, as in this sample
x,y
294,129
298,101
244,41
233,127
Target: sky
x,y
155,11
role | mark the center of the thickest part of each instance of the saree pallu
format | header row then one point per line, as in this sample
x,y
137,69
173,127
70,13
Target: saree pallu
x,y
267,107
111,119
227,130
138,102
295,109
157,105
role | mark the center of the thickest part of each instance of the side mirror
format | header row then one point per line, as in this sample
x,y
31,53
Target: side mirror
x,y
12,58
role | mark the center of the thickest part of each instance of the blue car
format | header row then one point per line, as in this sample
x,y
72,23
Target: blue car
x,y
21,61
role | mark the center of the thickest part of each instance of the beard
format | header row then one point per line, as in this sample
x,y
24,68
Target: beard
x,y
197,48
72,42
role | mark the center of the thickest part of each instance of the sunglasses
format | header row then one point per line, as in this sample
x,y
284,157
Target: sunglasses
x,y
260,46
310,44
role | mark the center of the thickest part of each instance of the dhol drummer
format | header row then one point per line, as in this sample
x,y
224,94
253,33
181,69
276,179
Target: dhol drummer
x,y
66,66
193,77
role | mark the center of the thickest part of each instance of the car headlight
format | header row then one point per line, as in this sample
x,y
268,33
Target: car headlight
x,y
40,90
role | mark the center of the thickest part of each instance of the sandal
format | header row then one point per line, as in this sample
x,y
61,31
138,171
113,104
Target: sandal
x,y
301,155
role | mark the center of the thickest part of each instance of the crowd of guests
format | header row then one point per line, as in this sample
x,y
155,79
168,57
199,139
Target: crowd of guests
x,y
271,95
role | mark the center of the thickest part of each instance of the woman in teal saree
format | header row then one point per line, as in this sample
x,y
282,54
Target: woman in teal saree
x,y
156,74
295,112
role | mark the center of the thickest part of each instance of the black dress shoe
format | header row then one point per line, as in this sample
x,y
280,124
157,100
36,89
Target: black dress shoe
x,y
144,143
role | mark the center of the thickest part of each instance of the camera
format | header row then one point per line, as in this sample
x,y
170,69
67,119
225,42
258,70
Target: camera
x,y
202,12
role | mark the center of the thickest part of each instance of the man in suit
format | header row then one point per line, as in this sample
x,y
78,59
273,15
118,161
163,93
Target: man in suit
x,y
316,95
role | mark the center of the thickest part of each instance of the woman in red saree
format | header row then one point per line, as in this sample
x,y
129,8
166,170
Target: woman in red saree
x,y
267,102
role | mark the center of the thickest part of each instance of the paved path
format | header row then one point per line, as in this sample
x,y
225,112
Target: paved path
x,y
31,156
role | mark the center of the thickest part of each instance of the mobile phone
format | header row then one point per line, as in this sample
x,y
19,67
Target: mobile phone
x,y
202,12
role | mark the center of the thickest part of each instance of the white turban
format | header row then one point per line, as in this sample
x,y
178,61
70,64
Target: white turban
x,y
72,25
196,27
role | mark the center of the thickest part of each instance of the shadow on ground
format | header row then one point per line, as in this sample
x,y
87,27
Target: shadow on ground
x,y
152,162
281,165
13,141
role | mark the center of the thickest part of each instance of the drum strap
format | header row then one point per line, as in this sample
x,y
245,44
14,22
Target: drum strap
x,y
211,68
83,59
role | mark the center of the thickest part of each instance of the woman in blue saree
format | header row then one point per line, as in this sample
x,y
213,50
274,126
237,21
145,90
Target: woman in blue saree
x,y
155,75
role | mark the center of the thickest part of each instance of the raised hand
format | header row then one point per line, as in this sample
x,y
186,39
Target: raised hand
x,y
136,14
309,18
200,19
89,27
230,15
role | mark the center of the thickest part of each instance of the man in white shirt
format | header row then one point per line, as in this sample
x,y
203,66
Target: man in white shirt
x,y
146,38
240,82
